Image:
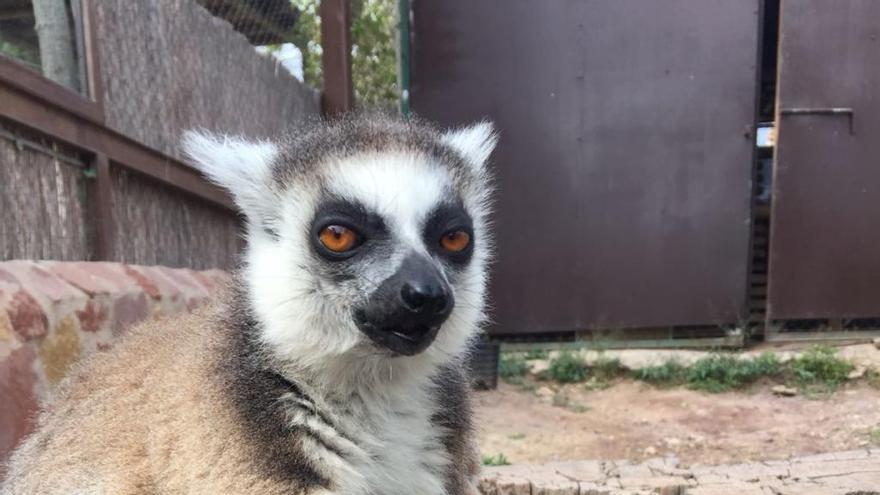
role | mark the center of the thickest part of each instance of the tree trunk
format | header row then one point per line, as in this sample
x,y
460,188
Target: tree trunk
x,y
57,54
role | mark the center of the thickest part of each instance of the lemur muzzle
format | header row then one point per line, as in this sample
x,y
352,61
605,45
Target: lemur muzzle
x,y
405,313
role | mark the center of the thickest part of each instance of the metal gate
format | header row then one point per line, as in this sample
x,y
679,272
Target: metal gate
x,y
825,221
624,167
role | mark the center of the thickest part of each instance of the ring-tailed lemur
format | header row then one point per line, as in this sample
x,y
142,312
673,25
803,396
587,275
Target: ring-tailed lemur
x,y
332,365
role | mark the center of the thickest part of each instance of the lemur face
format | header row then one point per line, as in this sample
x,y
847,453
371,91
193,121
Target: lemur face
x,y
365,238
404,257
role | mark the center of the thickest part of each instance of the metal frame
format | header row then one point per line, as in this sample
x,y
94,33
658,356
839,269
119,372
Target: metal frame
x,y
403,35
833,111
772,335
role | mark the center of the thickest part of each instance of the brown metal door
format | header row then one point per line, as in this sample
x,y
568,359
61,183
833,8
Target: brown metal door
x,y
825,223
624,164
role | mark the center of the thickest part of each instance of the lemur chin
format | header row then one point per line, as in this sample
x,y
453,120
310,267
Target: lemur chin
x,y
331,364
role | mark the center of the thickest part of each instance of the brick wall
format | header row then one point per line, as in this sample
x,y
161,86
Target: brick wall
x,y
53,313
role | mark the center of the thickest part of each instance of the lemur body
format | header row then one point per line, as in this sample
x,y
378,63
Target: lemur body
x,y
332,365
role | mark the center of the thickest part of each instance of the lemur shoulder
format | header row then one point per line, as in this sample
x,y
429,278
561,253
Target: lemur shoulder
x,y
333,362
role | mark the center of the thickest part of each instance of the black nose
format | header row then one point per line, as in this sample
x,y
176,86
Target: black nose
x,y
424,298
405,313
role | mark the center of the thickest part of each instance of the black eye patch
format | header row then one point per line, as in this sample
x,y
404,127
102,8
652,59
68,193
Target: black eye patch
x,y
367,225
447,218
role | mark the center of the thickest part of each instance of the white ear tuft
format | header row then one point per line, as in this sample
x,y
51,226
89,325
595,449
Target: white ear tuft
x,y
244,168
474,142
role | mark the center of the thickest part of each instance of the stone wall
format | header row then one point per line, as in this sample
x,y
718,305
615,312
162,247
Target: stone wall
x,y
53,313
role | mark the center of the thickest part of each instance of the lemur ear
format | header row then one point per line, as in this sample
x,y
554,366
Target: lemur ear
x,y
475,143
244,168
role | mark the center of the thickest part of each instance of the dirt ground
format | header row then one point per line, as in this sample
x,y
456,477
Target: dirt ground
x,y
632,420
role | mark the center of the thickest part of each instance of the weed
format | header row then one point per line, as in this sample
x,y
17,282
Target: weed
x,y
537,354
721,373
766,364
668,374
715,373
528,386
561,400
820,366
495,460
874,435
567,367
514,380
517,436
512,367
872,378
605,369
564,401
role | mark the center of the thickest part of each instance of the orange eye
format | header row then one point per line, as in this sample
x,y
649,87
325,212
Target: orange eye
x,y
455,241
337,238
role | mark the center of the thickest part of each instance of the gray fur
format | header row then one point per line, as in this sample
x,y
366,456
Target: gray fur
x,y
303,397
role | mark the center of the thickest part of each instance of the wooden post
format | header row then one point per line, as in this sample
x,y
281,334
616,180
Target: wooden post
x,y
102,207
338,94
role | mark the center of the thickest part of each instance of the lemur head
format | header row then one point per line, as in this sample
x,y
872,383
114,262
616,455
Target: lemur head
x,y
367,237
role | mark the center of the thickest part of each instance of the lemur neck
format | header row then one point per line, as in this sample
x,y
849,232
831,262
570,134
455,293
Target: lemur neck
x,y
383,379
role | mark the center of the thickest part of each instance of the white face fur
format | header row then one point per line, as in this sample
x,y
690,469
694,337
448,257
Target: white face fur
x,y
398,201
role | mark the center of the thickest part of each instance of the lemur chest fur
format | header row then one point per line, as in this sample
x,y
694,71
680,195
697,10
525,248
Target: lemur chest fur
x,y
382,446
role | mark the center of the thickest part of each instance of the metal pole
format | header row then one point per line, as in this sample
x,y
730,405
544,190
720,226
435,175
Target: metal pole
x,y
403,13
338,95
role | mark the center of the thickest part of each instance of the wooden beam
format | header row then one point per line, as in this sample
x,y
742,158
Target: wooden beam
x,y
33,83
94,138
102,208
16,13
338,94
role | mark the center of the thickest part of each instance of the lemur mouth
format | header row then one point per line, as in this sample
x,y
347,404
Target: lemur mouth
x,y
401,341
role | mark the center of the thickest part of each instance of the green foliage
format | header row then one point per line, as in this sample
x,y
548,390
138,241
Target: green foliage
x,y
512,367
817,367
525,386
668,374
495,460
872,378
605,369
820,366
25,49
373,50
568,367
307,37
561,399
537,354
721,373
874,435
517,436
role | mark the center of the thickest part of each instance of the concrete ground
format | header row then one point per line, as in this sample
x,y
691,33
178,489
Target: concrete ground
x,y
855,472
